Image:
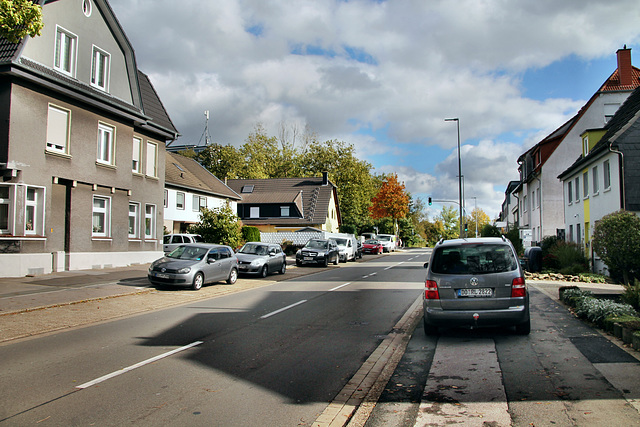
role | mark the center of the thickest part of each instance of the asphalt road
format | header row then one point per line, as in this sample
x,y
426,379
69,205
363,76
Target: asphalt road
x,y
276,355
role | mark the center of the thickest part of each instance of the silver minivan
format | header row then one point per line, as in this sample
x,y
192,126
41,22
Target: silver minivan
x,y
475,283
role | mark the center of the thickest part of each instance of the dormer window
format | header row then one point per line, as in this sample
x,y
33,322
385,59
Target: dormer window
x,y
585,145
65,54
100,69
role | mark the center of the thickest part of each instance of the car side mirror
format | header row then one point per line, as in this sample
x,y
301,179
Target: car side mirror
x,y
426,265
211,260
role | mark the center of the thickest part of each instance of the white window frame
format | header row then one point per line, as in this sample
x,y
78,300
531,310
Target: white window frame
x,y
100,68
180,200
65,51
285,211
152,160
58,118
9,202
166,198
150,221
607,174
106,144
134,215
136,165
596,181
254,212
585,185
96,212
577,182
32,205
570,192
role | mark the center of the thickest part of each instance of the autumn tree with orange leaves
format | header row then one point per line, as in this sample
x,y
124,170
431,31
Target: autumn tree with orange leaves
x,y
391,200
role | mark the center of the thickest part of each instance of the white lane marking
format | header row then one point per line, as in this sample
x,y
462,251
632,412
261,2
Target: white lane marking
x,y
137,365
338,287
389,268
283,309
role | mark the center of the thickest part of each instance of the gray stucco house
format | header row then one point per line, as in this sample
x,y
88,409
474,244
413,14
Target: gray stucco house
x,y
82,146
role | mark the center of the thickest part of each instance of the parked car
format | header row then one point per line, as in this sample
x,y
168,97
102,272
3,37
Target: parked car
x,y
388,242
475,283
372,246
194,265
358,248
347,247
172,241
318,251
261,259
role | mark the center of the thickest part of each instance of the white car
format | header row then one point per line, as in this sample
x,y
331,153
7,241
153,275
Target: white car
x,y
388,242
347,247
172,241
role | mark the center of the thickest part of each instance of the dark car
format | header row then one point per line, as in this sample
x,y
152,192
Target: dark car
x,y
475,283
194,265
318,251
261,259
372,246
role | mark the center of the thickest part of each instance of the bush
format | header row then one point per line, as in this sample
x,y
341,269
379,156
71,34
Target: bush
x,y
616,239
569,257
631,294
289,248
250,233
514,236
595,310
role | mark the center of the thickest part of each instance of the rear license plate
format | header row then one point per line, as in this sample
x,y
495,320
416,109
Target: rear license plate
x,y
475,293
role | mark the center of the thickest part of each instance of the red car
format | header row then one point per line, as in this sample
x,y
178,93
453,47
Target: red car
x,y
372,247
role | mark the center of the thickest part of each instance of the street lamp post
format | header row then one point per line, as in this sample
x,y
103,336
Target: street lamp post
x,y
457,120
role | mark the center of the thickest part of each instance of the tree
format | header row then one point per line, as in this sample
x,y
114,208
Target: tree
x,y
391,200
223,161
477,216
450,222
19,18
219,225
616,239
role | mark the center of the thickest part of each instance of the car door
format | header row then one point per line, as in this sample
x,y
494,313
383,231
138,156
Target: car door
x,y
225,263
212,267
275,258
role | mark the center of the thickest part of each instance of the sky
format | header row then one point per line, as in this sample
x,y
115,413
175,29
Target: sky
x,y
384,75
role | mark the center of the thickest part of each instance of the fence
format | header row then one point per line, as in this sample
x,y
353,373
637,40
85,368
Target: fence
x,y
298,238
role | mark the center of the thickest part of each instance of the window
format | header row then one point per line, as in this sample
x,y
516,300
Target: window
x,y
179,200
254,212
607,174
596,183
65,54
86,8
100,69
525,204
31,212
135,162
585,184
150,221
152,159
585,145
609,111
6,208
570,192
577,182
539,197
284,211
166,198
101,216
106,135
571,233
199,202
134,215
58,121
578,234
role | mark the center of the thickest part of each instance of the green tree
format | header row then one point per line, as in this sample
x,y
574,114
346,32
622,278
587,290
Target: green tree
x,y
616,239
223,161
19,18
219,225
477,216
490,230
450,222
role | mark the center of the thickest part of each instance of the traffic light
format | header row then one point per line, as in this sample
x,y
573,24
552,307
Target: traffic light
x,y
466,227
429,201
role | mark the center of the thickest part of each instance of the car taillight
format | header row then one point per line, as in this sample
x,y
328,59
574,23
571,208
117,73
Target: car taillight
x,y
518,288
431,290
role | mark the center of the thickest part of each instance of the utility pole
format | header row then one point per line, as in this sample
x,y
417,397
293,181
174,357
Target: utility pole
x,y
457,120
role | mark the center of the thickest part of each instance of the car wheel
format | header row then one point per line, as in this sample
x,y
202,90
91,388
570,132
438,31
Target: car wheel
x,y
283,268
524,328
298,263
430,329
233,276
337,260
198,281
264,271
325,263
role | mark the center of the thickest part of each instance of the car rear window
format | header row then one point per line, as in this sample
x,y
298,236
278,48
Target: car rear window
x,y
473,259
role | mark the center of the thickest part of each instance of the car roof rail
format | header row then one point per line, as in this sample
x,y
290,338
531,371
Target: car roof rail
x,y
440,241
504,238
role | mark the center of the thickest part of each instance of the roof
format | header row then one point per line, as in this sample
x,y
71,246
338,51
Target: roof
x,y
186,173
152,105
312,198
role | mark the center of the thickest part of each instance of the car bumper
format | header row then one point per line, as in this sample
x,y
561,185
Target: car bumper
x,y
485,318
249,269
310,260
170,279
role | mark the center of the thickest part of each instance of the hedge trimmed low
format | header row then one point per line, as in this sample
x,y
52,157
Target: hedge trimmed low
x,y
593,309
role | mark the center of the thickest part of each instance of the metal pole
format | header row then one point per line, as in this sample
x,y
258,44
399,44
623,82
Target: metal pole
x,y
457,120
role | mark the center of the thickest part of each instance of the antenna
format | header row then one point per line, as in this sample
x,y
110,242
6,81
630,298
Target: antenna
x,y
205,134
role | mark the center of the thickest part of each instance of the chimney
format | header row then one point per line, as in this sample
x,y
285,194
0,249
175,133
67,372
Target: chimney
x,y
325,178
625,70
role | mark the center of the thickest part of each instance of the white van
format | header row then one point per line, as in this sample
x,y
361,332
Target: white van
x,y
389,242
347,245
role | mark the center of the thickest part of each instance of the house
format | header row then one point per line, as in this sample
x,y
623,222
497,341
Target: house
x,y
82,137
189,187
288,204
605,177
540,197
510,206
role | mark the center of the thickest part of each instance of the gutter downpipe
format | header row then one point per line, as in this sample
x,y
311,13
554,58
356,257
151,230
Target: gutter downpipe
x,y
540,209
621,172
